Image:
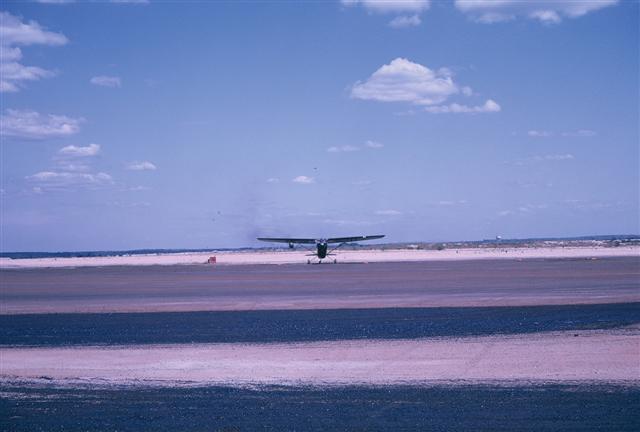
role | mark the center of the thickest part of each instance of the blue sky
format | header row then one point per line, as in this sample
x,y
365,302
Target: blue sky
x,y
205,124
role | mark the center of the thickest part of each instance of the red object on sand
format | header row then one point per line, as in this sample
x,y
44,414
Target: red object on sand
x,y
211,260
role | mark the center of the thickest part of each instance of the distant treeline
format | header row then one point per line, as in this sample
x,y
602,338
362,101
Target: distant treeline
x,y
612,240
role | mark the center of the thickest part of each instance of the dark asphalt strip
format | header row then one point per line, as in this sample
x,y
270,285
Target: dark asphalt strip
x,y
353,408
306,325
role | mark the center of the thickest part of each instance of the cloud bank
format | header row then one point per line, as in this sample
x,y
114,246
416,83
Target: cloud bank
x,y
33,125
408,10
67,180
390,6
545,11
15,33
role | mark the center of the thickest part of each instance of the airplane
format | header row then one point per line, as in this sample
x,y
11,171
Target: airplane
x,y
322,245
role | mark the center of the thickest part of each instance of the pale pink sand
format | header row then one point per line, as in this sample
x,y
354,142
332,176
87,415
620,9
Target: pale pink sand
x,y
282,257
599,356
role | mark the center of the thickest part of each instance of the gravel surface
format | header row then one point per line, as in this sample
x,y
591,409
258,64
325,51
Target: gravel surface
x,y
306,325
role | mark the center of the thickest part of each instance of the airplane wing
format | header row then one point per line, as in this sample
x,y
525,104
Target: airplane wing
x,y
353,239
288,240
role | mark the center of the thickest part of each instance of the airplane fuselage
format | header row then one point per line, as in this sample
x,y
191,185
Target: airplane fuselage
x,y
321,249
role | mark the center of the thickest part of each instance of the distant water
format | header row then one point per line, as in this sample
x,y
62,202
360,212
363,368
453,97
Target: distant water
x,y
22,255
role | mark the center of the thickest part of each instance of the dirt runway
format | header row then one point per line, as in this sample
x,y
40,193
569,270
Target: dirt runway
x,y
270,287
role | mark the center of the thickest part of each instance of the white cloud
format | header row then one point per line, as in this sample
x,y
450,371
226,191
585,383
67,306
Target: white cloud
x,y
303,180
31,124
362,182
342,222
66,165
108,1
55,1
524,209
129,204
350,148
447,203
554,157
141,166
72,169
389,212
391,6
580,133
539,133
406,113
493,17
405,21
14,32
56,180
543,158
584,133
546,16
405,81
490,106
14,74
75,158
71,150
10,54
587,205
106,81
138,188
373,144
546,134
545,11
346,148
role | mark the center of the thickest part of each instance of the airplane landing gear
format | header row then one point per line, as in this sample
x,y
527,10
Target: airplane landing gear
x,y
308,261
335,261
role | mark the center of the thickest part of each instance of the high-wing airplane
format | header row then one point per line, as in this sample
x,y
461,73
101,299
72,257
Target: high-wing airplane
x,y
322,245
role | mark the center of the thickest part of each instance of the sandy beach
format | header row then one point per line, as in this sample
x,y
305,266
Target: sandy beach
x,y
347,256
608,356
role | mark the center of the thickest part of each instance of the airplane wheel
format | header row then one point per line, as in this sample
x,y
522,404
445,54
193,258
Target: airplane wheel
x,y
308,261
335,261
